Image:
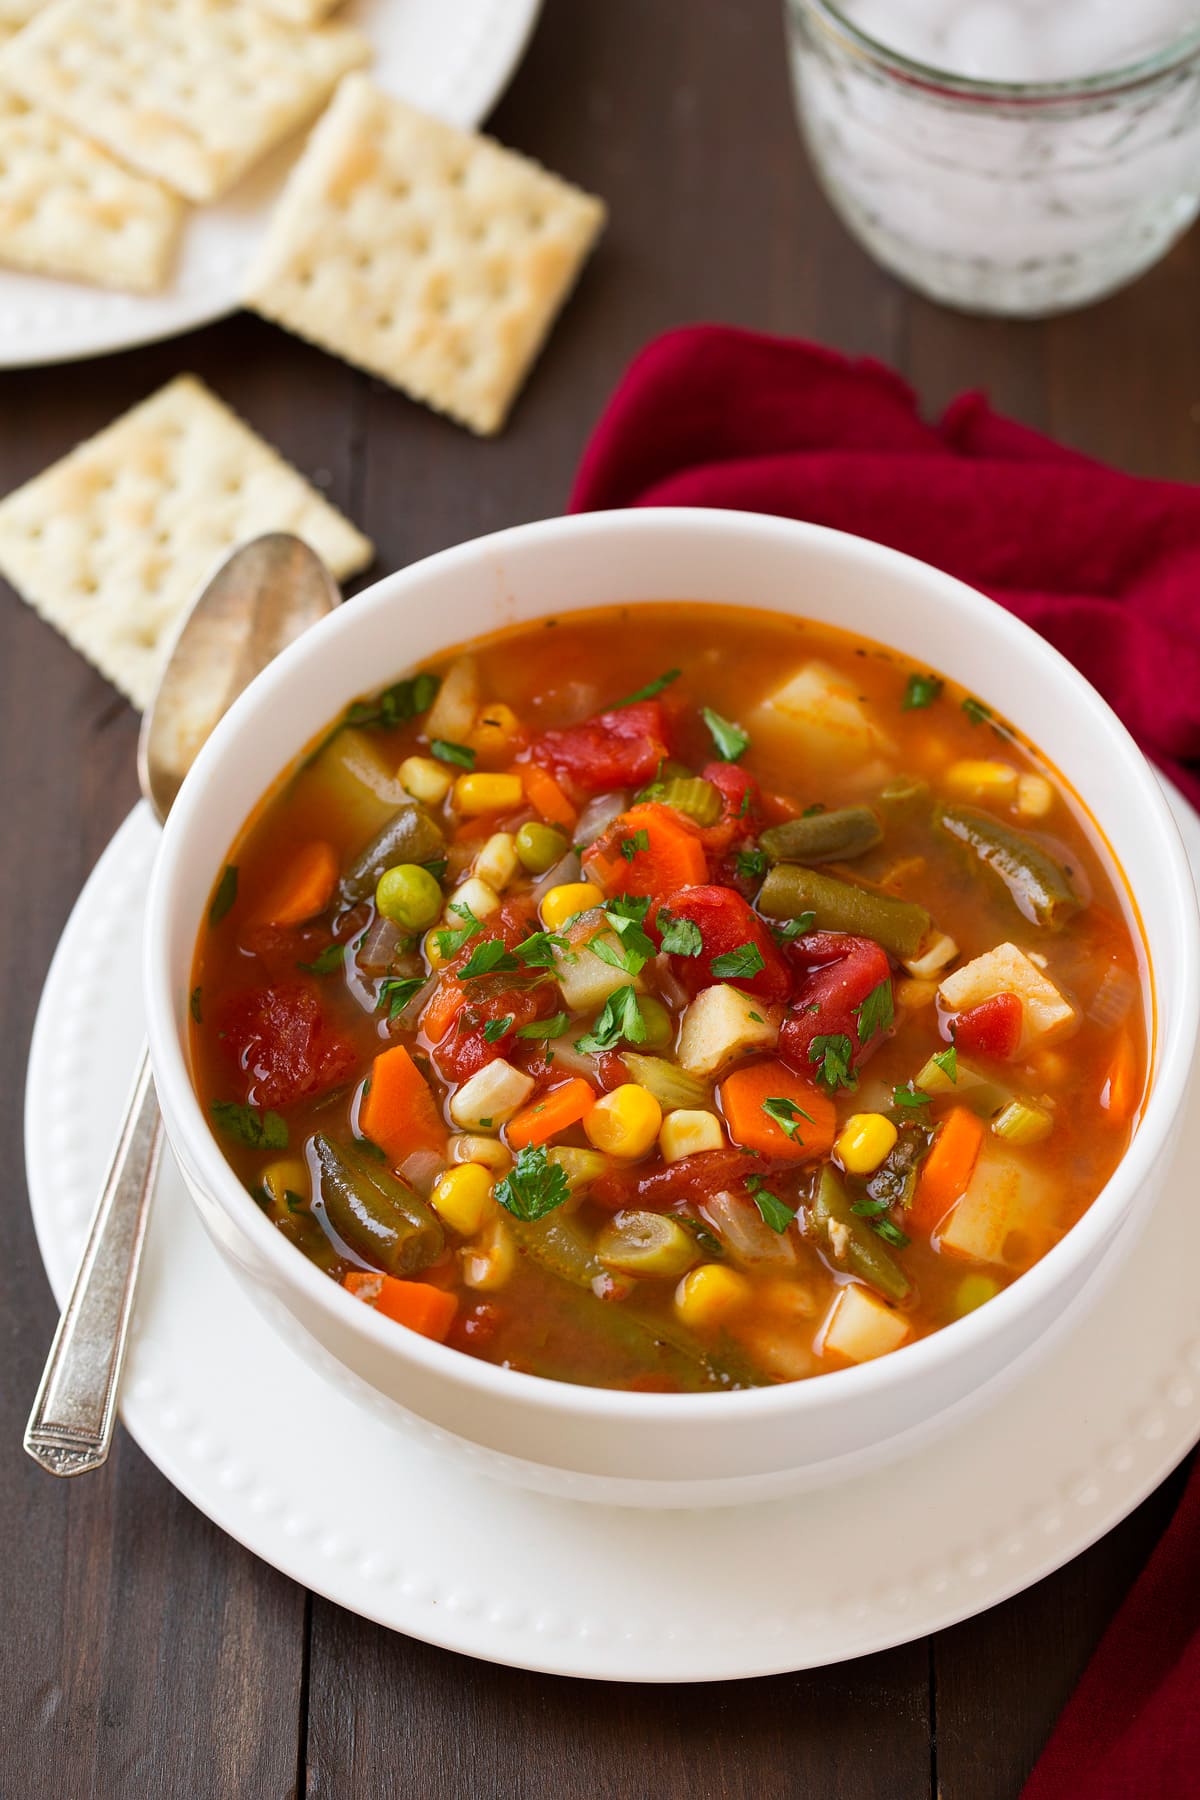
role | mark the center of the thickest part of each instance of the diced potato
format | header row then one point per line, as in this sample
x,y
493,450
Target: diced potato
x,y
586,979
934,956
350,781
1006,1215
452,714
722,1023
491,1096
1035,797
859,1326
1046,1014
820,711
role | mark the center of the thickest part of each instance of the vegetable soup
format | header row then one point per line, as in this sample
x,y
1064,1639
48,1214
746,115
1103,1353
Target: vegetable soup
x,y
671,998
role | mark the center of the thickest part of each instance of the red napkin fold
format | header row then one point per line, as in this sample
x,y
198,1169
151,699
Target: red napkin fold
x,y
1107,567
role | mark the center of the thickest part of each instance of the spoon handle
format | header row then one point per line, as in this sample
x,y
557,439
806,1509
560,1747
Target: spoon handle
x,y
70,1429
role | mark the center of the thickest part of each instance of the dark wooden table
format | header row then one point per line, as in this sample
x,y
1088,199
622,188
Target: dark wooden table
x,y
144,1654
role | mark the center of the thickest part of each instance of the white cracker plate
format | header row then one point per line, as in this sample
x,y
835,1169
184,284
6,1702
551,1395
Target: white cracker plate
x,y
304,1473
451,57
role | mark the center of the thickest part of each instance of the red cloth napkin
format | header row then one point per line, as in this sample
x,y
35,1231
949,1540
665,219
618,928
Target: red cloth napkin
x,y
1104,565
1108,568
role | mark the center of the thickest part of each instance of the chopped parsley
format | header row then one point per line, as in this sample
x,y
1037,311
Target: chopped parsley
x,y
787,1115
876,1013
451,940
460,754
744,808
649,691
247,1125
224,894
680,937
395,993
331,958
633,949
772,1210
194,1005
534,1185
875,1213
810,812
975,710
628,906
537,951
751,863
794,928
730,740
492,957
745,961
437,868
495,1029
545,1028
833,1056
403,700
631,845
621,1018
922,690
947,1062
909,1096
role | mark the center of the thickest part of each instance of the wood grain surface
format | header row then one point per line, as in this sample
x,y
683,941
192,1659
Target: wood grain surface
x,y
142,1653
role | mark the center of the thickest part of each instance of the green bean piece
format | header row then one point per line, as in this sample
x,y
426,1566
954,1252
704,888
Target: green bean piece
x,y
302,1229
823,837
540,846
646,1244
1040,889
864,1255
790,890
560,1245
410,836
693,796
379,1216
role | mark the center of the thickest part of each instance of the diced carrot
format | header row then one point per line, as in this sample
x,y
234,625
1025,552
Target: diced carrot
x,y
556,1109
428,1310
809,1114
546,797
948,1167
304,889
1120,1094
398,1112
443,1007
648,850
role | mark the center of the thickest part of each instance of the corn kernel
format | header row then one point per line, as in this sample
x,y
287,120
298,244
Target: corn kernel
x,y
624,1122
429,944
912,995
467,1148
497,861
495,731
995,781
426,780
480,896
289,1175
562,903
687,1132
475,794
863,1142
709,1295
462,1198
489,1262
1035,796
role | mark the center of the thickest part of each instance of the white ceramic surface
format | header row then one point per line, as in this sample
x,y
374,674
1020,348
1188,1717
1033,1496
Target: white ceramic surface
x,y
452,60
654,1449
295,1468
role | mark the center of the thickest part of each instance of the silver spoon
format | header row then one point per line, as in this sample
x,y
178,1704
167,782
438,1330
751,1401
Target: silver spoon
x,y
264,596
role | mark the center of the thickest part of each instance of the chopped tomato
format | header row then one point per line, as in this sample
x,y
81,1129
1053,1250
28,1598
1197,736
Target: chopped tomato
x,y
993,1028
281,1040
727,926
839,973
691,1179
615,749
741,806
648,850
465,1046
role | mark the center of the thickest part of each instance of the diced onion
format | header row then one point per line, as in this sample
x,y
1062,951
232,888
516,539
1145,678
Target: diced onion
x,y
378,948
598,815
422,1169
565,870
747,1236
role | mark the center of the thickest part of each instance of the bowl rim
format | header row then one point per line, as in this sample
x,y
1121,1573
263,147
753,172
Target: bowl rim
x,y
1171,1053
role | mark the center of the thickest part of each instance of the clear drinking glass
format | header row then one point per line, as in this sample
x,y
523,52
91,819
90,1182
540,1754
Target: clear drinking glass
x,y
999,197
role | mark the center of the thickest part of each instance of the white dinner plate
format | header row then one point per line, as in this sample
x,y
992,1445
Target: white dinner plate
x,y
344,1493
450,57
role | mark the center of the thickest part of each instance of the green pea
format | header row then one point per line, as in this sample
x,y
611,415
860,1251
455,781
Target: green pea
x,y
409,896
540,846
973,1291
660,1028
